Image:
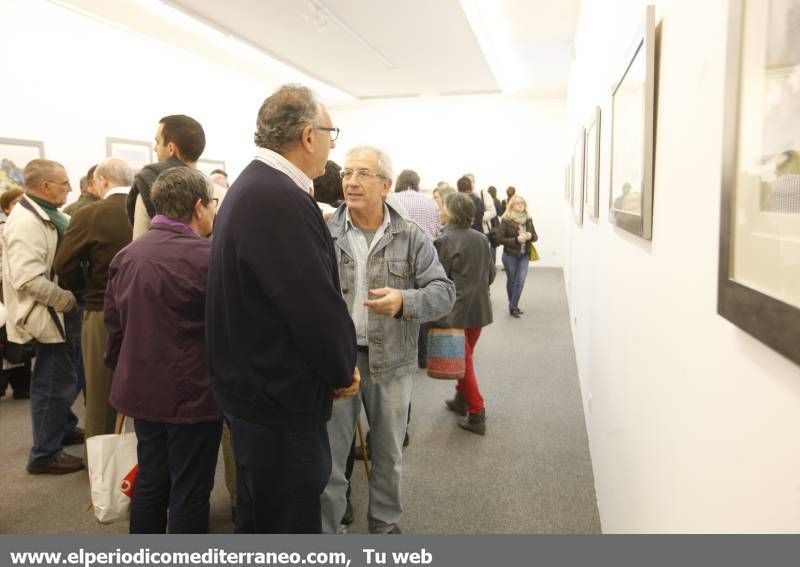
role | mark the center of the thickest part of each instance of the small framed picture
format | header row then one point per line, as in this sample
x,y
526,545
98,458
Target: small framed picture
x,y
14,156
578,176
759,244
567,172
137,153
209,165
633,121
592,178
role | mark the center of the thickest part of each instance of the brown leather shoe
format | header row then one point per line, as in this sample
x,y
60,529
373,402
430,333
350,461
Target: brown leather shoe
x,y
474,422
64,464
75,437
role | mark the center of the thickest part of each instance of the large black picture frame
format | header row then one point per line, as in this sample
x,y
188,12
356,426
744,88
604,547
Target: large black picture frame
x,y
767,318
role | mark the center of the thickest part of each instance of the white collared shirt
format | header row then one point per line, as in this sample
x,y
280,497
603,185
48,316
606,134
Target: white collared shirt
x,y
361,251
120,190
276,160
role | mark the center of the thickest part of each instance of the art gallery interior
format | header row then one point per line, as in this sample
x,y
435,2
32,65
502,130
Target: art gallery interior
x,y
691,421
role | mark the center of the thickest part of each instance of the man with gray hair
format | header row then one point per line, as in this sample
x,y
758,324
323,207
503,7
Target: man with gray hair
x,y
95,234
157,348
392,281
281,341
40,310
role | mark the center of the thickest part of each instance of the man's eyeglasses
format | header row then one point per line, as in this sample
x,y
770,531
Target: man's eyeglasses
x,y
64,183
333,132
355,174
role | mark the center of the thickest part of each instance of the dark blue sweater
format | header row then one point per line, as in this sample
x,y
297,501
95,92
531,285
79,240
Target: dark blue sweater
x,y
280,338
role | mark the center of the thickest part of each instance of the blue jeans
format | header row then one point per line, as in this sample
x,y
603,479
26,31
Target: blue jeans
x,y
386,404
176,472
54,387
516,266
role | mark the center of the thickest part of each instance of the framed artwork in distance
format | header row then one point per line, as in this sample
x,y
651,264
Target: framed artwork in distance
x,y
633,122
14,156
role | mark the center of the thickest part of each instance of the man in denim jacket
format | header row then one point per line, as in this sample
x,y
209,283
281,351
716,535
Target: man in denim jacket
x,y
392,281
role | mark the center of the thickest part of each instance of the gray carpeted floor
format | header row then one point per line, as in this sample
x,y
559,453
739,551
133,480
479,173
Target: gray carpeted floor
x,y
531,473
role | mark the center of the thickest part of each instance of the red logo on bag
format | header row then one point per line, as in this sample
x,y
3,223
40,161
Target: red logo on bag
x,y
129,482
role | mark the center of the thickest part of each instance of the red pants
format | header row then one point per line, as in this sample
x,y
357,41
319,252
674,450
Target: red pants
x,y
468,385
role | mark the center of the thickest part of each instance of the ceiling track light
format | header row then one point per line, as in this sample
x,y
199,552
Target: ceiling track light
x,y
318,8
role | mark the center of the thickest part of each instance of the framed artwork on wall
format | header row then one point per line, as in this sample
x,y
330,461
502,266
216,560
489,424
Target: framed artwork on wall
x,y
14,156
209,165
633,121
591,183
137,153
578,176
567,171
759,245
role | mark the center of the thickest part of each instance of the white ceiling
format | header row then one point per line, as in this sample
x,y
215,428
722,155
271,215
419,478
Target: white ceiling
x,y
385,48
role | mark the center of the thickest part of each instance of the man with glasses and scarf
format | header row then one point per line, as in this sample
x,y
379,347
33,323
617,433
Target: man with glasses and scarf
x,y
39,310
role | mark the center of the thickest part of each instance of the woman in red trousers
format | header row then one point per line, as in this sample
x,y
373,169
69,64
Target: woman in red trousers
x,y
467,258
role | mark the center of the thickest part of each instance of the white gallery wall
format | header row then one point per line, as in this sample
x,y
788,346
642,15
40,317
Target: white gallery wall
x,y
692,423
72,81
501,140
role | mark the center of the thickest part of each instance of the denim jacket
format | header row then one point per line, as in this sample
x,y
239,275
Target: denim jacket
x,y
404,258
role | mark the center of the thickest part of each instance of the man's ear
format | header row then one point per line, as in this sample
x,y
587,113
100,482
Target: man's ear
x,y
199,210
306,137
173,150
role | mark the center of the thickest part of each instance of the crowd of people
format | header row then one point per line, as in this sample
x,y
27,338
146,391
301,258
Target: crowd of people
x,y
261,316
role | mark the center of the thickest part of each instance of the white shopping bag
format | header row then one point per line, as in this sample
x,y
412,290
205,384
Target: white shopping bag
x,y
112,474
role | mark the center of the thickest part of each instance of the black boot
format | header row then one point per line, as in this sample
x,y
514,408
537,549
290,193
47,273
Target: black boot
x,y
475,422
457,404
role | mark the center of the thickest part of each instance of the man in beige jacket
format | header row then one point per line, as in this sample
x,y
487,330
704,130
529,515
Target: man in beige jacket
x,y
39,310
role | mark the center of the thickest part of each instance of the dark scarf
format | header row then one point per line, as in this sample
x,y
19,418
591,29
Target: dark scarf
x,y
59,219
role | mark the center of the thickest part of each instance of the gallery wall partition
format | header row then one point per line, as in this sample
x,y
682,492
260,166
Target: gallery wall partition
x,y
685,306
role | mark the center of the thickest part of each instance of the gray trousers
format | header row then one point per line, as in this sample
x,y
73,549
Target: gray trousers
x,y
386,404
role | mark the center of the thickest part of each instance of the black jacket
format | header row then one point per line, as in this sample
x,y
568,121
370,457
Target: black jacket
x,y
466,257
480,208
506,234
280,338
143,182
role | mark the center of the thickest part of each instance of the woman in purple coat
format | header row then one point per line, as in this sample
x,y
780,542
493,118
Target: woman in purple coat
x,y
155,317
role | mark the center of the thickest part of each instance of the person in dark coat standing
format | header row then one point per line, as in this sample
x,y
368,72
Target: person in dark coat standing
x,y
281,341
155,316
466,256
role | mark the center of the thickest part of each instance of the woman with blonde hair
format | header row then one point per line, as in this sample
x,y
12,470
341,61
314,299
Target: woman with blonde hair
x,y
516,234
